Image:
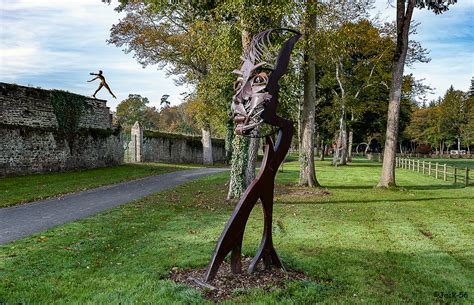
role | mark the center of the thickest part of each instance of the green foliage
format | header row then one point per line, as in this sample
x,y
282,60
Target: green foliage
x,y
179,119
352,67
133,109
442,123
68,108
454,109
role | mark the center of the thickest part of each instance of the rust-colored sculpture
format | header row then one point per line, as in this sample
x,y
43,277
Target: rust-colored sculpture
x,y
103,83
254,103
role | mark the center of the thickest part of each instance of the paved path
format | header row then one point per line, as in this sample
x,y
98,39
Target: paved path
x,y
20,221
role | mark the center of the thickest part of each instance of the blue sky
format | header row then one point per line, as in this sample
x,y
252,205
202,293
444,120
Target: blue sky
x,y
56,43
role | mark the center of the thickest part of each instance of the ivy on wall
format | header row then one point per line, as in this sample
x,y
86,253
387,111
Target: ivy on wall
x,y
68,108
193,141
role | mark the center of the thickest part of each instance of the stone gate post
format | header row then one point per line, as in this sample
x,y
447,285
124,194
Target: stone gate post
x,y
136,143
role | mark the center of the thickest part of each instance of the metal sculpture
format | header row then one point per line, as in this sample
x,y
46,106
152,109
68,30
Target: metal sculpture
x,y
254,103
103,83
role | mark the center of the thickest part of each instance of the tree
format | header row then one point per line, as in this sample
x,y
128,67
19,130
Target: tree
x,y
359,54
454,115
164,102
134,108
306,149
467,128
404,13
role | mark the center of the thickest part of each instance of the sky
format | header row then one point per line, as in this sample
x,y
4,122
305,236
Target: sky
x,y
54,44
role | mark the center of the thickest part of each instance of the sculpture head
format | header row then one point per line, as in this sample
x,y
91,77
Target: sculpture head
x,y
251,92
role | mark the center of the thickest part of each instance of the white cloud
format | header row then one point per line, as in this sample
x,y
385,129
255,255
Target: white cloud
x,y
449,38
56,43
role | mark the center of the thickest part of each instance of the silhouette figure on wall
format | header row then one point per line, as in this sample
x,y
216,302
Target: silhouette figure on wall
x,y
103,83
254,103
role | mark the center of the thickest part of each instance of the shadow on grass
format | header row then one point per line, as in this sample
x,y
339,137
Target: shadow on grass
x,y
399,188
370,200
433,187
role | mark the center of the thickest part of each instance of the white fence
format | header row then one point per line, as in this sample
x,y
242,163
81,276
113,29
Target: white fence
x,y
436,170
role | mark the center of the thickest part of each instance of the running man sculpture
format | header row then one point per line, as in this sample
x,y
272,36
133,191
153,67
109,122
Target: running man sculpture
x,y
254,103
103,83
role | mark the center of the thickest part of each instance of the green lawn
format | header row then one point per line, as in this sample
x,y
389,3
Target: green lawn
x,y
360,245
22,189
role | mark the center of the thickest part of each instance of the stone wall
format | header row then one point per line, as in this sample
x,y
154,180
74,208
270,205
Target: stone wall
x,y
27,106
175,148
30,141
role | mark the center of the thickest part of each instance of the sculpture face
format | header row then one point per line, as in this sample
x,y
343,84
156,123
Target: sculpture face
x,y
249,98
262,67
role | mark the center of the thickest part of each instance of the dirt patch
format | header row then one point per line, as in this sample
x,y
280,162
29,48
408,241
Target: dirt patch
x,y
227,284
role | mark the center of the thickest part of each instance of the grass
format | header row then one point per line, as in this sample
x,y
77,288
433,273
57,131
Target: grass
x,y
360,245
23,189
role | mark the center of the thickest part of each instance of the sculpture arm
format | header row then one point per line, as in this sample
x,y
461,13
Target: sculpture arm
x,y
93,79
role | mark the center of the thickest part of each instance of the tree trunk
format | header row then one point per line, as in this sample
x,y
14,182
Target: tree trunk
x,y
237,183
206,146
252,160
316,144
387,177
341,143
351,136
349,146
335,154
307,169
343,160
240,145
229,136
323,150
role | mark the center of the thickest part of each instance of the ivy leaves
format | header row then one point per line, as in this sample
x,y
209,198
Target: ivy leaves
x,y
68,108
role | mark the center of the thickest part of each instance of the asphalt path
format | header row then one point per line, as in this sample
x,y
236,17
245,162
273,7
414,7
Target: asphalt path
x,y
23,220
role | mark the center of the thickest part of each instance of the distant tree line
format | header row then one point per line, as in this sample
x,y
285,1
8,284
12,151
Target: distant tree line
x,y
443,125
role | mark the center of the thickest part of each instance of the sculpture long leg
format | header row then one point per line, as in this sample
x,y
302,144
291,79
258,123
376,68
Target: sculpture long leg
x,y
236,255
233,232
266,251
98,89
231,238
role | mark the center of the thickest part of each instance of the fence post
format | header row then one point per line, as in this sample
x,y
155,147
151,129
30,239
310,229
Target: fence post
x,y
418,165
455,174
429,168
413,165
445,173
436,170
423,167
466,176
